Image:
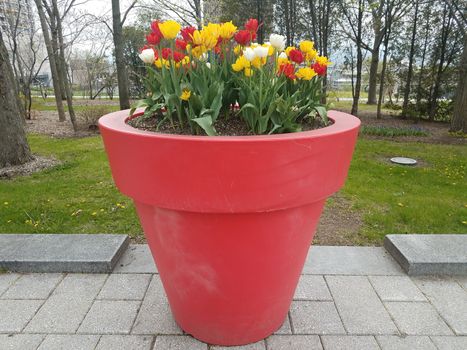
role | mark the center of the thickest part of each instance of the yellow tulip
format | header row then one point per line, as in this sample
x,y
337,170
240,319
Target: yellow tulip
x,y
305,73
311,55
185,96
169,29
240,64
248,72
323,61
306,46
213,29
227,30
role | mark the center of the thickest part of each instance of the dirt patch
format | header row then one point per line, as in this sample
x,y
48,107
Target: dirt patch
x,y
229,125
339,224
47,123
37,164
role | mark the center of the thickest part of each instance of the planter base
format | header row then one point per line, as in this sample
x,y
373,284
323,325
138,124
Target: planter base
x,y
230,278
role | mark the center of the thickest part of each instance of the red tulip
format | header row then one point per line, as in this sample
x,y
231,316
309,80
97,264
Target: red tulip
x,y
243,37
153,38
181,44
288,70
178,56
252,25
166,53
187,34
319,69
296,56
155,28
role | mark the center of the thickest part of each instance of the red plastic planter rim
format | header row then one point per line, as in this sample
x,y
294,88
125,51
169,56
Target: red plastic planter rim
x,y
117,122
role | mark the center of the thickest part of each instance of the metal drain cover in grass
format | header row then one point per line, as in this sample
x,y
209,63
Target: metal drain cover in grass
x,y
403,161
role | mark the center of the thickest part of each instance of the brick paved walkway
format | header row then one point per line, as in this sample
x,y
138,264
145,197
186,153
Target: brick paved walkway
x,y
348,298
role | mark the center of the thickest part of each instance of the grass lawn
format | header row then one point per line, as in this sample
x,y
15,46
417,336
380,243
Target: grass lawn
x,y
39,104
79,196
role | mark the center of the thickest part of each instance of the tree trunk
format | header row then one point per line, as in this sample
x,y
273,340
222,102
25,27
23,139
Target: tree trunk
x,y
387,36
410,68
53,65
422,65
433,105
373,78
122,76
62,63
459,118
358,82
13,143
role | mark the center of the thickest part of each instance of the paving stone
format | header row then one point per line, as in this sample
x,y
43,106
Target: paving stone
x,y
255,346
178,342
65,309
33,286
61,252
359,307
312,287
450,343
417,318
6,280
110,317
285,328
136,259
326,260
349,342
315,317
396,288
20,341
125,287
295,342
69,341
432,254
15,314
462,281
125,342
154,316
405,343
449,298
86,286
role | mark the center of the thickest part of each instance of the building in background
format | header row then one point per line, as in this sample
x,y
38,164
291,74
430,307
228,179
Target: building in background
x,y
19,28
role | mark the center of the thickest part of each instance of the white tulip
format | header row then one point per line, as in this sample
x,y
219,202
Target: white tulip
x,y
249,54
147,56
208,65
283,55
277,41
261,51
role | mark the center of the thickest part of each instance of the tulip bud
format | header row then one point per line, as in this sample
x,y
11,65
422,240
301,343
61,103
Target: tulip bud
x,y
249,54
277,41
261,51
147,56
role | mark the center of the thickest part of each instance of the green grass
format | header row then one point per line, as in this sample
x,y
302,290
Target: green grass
x,y
429,198
64,199
79,195
345,94
38,104
390,131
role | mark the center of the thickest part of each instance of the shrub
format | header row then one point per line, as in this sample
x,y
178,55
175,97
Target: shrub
x,y
390,131
89,115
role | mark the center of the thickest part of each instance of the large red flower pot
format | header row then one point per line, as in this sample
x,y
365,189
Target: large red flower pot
x,y
229,220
